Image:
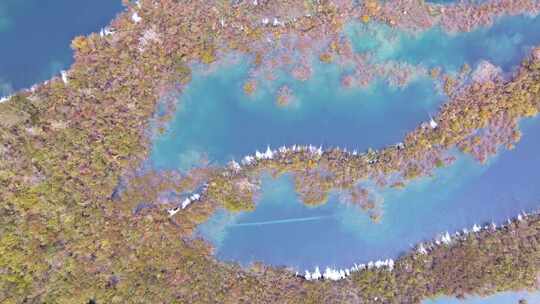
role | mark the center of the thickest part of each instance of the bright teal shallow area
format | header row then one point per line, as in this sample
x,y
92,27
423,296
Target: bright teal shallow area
x,y
503,44
283,231
218,121
30,56
500,298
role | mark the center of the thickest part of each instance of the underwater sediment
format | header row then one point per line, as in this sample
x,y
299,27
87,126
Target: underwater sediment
x,y
68,234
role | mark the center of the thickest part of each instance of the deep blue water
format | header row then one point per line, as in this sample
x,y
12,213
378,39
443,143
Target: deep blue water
x,y
35,36
503,44
334,234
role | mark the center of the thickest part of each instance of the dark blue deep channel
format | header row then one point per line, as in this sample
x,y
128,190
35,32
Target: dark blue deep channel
x,y
35,36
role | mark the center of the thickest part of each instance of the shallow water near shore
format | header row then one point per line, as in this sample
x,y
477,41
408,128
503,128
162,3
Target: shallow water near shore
x,y
504,44
216,120
283,231
31,56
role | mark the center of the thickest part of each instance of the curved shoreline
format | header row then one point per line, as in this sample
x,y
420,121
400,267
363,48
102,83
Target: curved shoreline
x,y
443,240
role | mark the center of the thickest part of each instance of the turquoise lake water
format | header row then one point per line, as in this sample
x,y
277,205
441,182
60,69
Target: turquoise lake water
x,y
500,298
35,36
217,121
503,44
